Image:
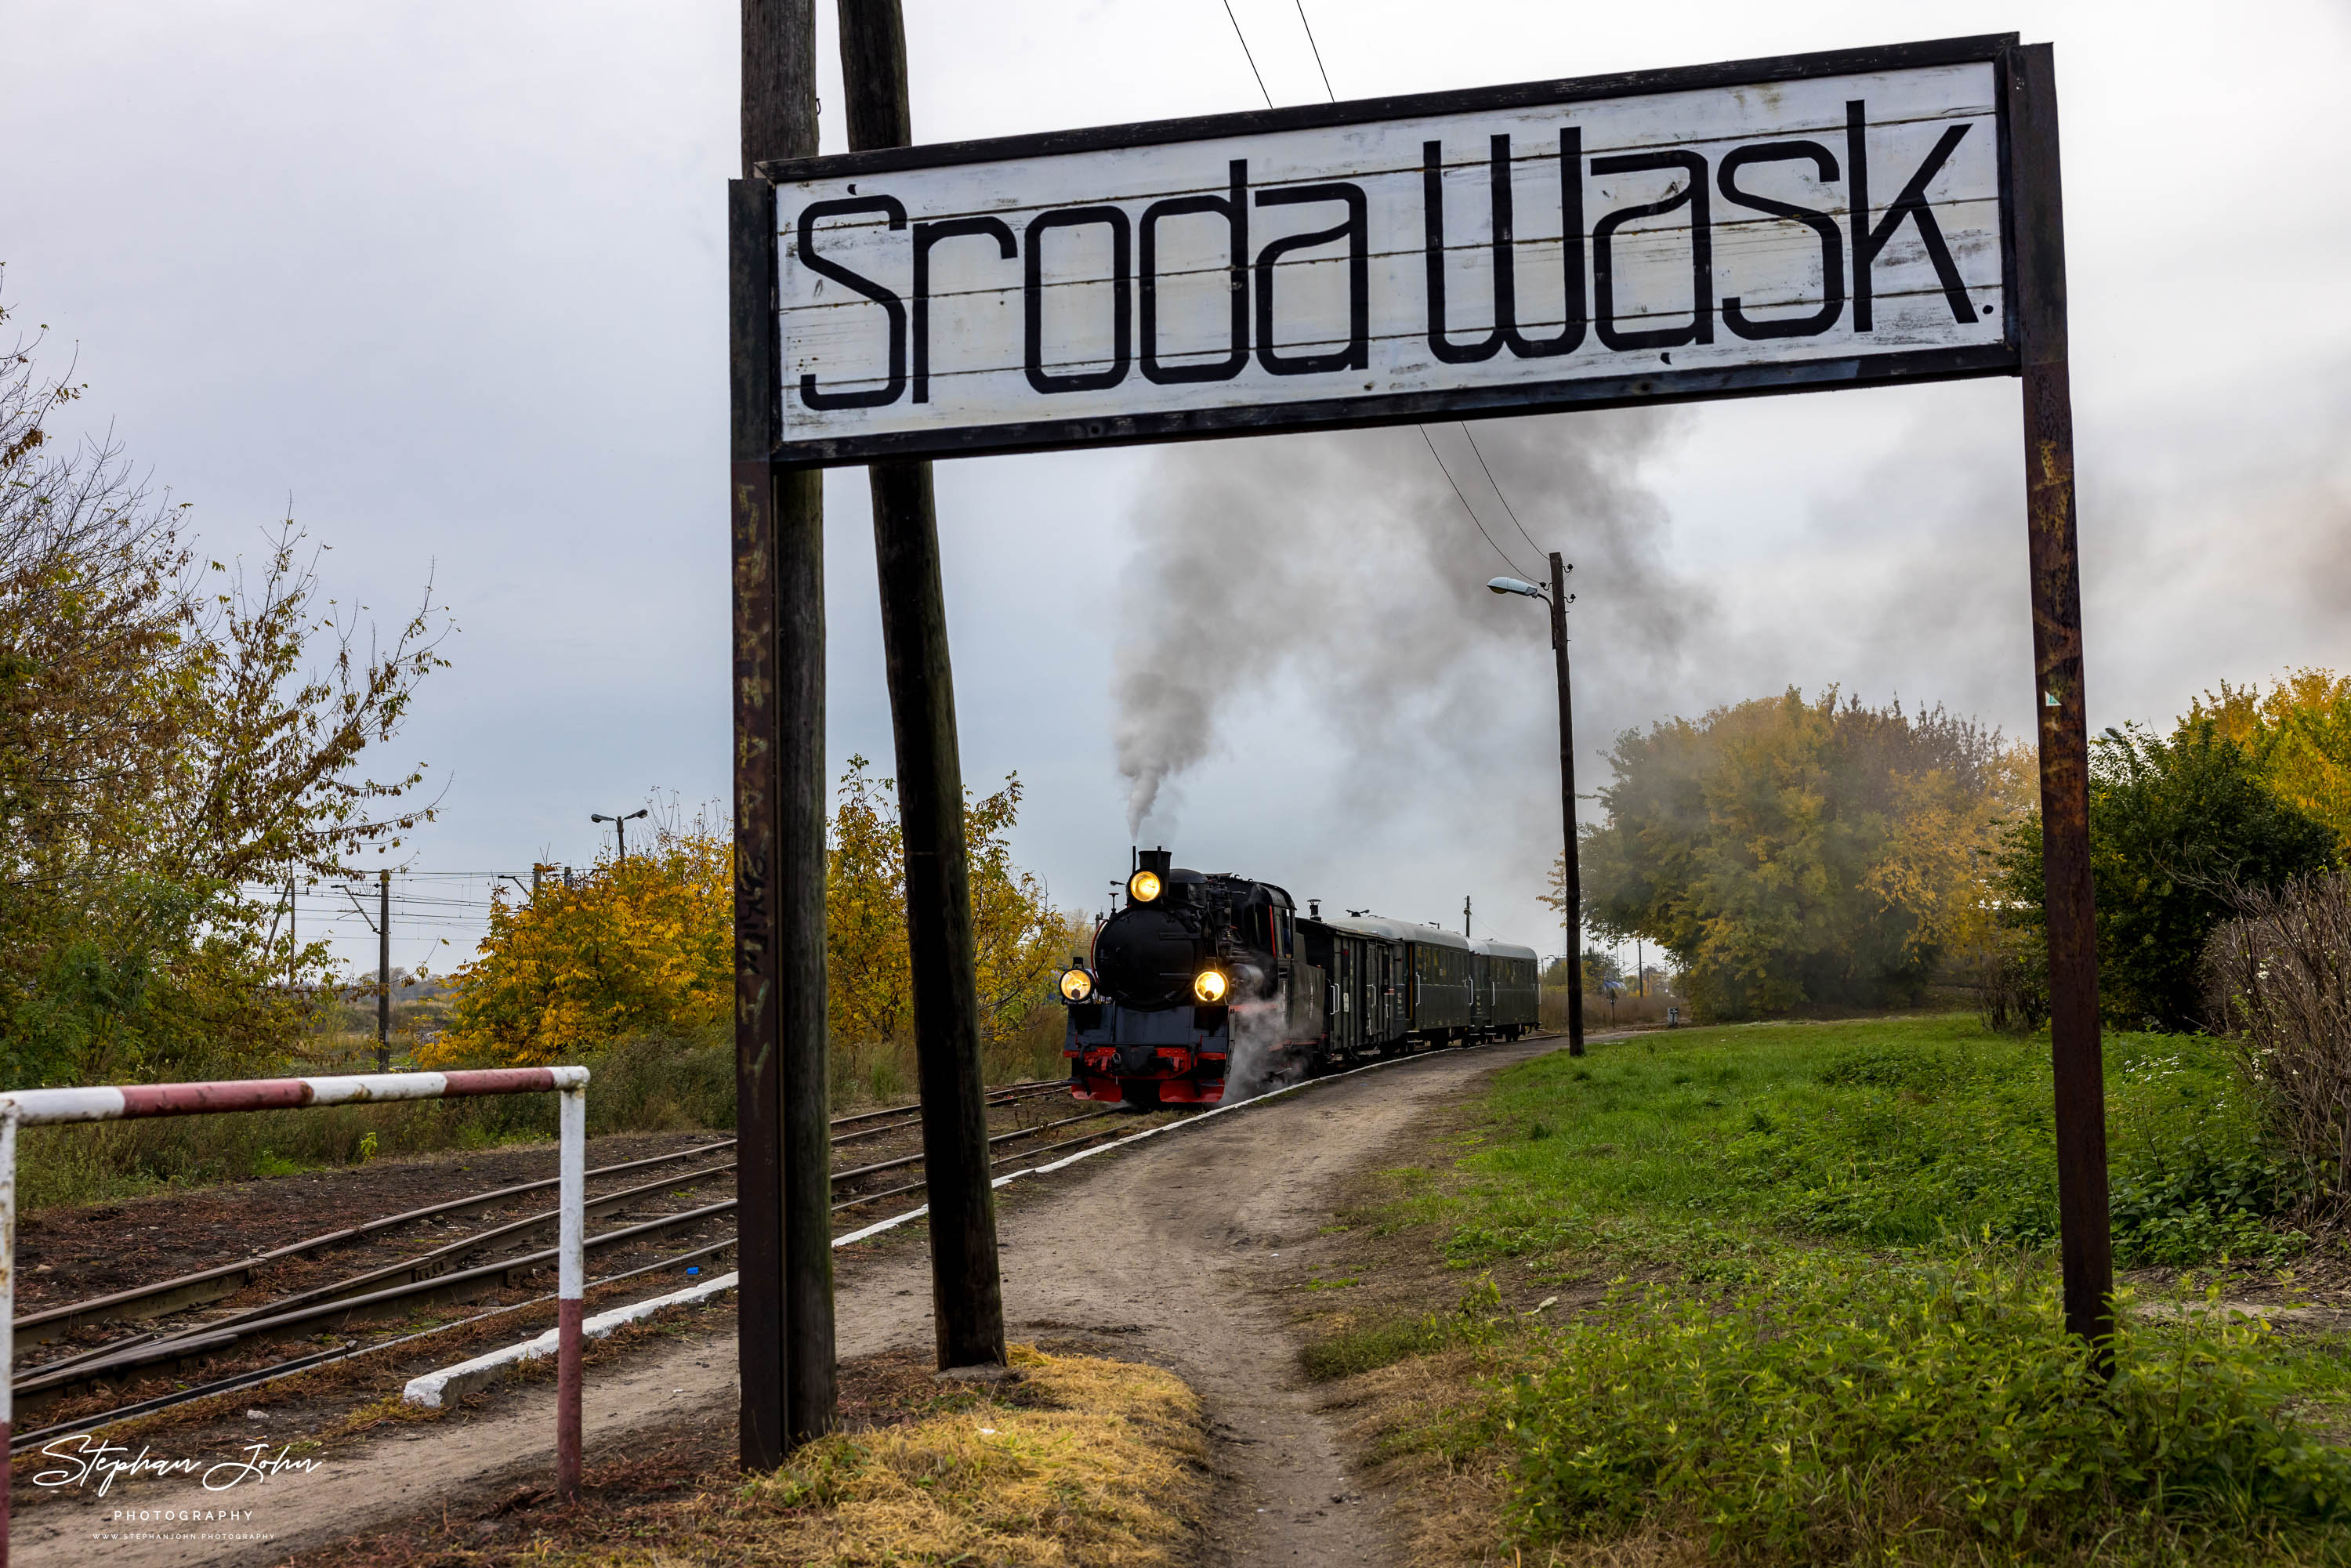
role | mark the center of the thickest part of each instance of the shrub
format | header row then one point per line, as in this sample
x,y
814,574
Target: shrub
x,y
2177,826
2279,982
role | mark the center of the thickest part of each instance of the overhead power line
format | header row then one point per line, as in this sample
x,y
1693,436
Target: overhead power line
x,y
1500,496
1330,93
1315,47
1245,55
1466,506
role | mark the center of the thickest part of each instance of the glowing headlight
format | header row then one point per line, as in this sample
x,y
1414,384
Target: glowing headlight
x,y
1209,985
1076,985
1144,885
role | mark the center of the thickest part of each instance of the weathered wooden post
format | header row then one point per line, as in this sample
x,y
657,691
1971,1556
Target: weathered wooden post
x,y
2084,1239
786,1343
383,972
966,1284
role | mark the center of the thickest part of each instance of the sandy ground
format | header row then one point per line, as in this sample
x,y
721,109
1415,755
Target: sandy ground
x,y
1155,1253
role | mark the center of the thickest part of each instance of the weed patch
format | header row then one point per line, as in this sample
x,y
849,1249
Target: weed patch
x,y
1851,1410
1090,1461
1846,1344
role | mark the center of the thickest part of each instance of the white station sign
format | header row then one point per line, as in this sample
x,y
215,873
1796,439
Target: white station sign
x,y
1766,225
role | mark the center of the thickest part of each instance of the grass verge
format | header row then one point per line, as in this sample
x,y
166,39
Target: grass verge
x,y
1811,1316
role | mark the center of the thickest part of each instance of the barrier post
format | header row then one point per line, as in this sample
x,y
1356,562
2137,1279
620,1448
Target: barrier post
x,y
129,1101
572,1159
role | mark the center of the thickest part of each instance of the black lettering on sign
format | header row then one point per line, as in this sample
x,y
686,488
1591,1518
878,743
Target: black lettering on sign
x,y
926,236
1603,266
1234,205
1356,230
1122,241
1831,247
1912,205
896,380
1505,243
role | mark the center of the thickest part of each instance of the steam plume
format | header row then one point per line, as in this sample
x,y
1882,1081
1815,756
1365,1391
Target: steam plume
x,y
1345,563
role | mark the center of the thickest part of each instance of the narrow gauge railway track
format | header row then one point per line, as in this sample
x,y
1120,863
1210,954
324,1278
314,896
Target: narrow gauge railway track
x,y
440,1274
170,1296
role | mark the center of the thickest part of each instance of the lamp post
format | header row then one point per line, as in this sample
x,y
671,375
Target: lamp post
x,y
1558,598
621,826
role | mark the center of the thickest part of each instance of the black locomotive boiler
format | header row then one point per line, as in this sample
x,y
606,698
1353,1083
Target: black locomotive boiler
x,y
1198,980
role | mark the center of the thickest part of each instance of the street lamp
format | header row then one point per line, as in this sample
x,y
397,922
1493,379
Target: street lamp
x,y
1558,598
621,827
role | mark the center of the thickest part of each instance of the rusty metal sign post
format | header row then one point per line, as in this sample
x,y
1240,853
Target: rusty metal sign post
x,y
1808,223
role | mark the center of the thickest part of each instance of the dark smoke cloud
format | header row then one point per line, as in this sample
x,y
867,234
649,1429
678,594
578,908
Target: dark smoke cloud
x,y
1343,565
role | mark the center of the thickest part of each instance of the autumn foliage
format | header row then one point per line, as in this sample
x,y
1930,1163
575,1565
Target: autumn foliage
x,y
646,946
173,731
1795,853
643,945
2297,735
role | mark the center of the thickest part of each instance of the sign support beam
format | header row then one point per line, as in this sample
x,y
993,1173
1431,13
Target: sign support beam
x,y
966,1285
785,1343
2086,1242
1875,216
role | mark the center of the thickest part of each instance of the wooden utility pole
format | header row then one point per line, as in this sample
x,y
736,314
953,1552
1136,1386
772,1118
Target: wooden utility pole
x,y
785,1341
968,1297
1572,892
2084,1239
384,971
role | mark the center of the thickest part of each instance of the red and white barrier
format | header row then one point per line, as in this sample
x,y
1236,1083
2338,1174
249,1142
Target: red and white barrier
x,y
115,1102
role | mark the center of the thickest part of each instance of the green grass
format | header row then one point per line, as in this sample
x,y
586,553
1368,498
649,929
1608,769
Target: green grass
x,y
1834,1334
1896,1134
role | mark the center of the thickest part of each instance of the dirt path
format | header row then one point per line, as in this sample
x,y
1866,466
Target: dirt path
x,y
1150,1254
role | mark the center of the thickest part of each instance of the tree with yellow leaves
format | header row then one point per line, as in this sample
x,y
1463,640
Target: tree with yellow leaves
x,y
644,945
2298,734
1017,934
1791,853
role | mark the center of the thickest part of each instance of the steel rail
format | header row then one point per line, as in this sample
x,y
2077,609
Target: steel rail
x,y
40,1328
457,1249
258,1375
208,1340
1016,1154
901,1163
212,1284
350,1294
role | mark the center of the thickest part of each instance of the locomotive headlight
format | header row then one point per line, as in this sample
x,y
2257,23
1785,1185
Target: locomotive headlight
x,y
1077,986
1209,986
1144,886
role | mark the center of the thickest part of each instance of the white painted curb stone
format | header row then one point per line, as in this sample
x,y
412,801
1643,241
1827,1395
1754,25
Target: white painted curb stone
x,y
434,1389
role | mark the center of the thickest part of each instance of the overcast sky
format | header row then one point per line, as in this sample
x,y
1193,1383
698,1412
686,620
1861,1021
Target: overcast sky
x,y
450,278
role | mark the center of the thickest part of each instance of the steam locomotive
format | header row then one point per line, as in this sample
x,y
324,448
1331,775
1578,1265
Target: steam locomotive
x,y
1202,980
